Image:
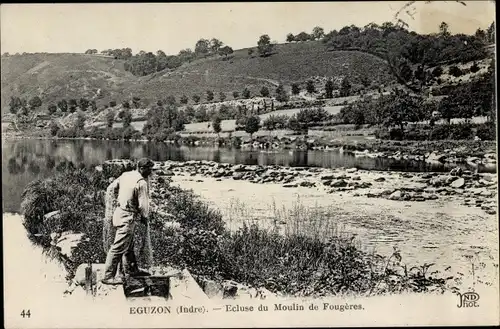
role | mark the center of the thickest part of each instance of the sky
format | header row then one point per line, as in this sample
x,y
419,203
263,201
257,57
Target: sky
x,y
171,27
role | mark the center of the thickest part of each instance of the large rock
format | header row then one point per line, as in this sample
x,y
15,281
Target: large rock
x,y
307,184
438,180
238,175
459,183
239,168
327,177
398,195
339,183
435,157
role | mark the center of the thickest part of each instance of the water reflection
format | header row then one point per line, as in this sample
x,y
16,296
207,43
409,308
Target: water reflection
x,y
26,160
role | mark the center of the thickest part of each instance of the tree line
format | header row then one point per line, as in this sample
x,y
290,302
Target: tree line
x,y
475,98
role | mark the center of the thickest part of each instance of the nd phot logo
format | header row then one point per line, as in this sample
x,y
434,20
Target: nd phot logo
x,y
468,299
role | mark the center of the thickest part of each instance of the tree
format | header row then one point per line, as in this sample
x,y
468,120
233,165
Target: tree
x,y
215,45
15,104
246,93
264,45
35,102
295,88
317,33
490,32
110,119
189,113
474,68
281,95
274,122
401,107
236,94
136,101
250,52
93,105
437,71
264,91
345,87
54,128
161,61
481,35
52,109
62,105
443,29
196,98
302,36
290,37
222,96
202,47
127,118
201,114
210,95
216,125
405,71
329,88
455,71
252,125
225,51
310,87
184,99
80,121
83,103
72,105
170,100
186,55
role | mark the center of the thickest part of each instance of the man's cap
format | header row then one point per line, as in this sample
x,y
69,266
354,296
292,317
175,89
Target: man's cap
x,y
145,163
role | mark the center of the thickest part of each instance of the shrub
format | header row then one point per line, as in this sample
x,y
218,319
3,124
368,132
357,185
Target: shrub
x,y
437,71
264,91
486,131
246,93
455,71
474,68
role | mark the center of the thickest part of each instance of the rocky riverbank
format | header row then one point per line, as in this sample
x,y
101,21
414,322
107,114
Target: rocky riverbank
x,y
471,189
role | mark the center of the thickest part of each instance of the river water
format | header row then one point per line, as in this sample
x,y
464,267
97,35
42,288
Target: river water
x,y
434,232
29,159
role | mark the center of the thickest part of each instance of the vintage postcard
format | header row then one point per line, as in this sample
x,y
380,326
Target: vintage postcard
x,y
249,164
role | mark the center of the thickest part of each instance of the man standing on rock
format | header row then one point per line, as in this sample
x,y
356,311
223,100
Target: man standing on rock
x,y
133,205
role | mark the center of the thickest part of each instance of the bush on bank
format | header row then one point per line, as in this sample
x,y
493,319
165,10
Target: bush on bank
x,y
293,264
462,131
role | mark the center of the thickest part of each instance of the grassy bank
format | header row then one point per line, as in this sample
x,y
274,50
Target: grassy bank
x,y
306,260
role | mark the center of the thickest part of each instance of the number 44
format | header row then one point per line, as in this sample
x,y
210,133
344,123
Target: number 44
x,y
26,313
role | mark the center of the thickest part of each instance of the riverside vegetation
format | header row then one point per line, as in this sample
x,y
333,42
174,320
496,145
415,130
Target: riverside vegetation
x,y
306,260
